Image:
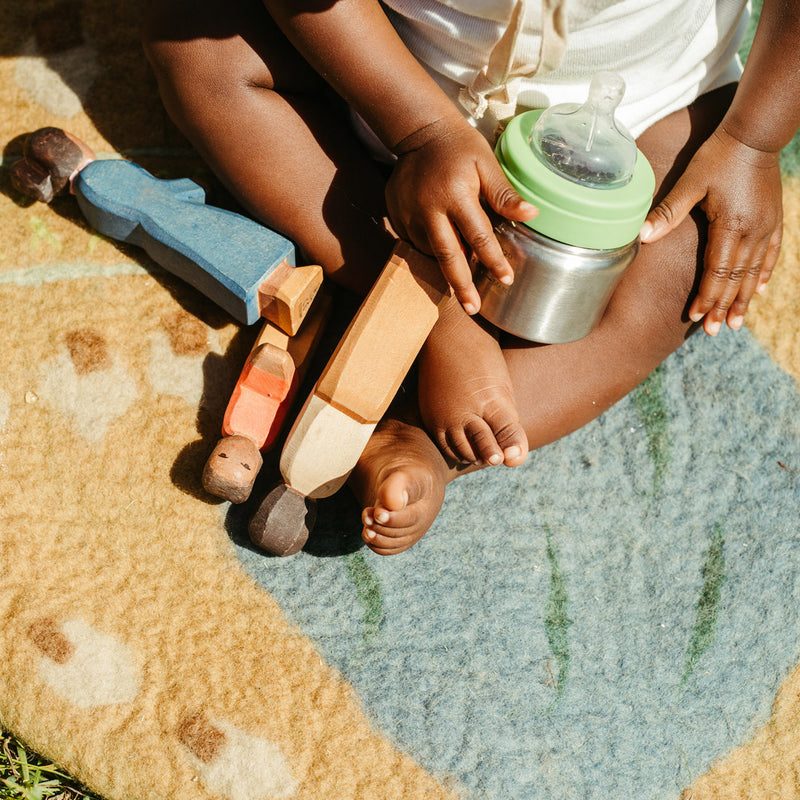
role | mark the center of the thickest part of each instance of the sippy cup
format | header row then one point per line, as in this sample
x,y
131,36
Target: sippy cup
x,y
593,189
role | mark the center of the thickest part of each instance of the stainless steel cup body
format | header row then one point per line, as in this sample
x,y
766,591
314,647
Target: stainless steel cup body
x,y
559,292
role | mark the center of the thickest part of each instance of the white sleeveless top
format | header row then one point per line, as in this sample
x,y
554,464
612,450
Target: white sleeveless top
x,y
668,52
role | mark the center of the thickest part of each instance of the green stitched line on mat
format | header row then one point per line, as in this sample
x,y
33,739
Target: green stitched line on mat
x,y
705,625
650,401
556,621
368,594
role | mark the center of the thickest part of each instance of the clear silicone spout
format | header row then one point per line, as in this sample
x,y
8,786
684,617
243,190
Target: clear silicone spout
x,y
585,143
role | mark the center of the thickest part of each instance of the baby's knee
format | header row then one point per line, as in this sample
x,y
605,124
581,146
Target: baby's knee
x,y
198,51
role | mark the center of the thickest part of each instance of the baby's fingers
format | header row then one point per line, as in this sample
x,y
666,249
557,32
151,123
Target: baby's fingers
x,y
446,248
730,277
755,283
773,251
738,308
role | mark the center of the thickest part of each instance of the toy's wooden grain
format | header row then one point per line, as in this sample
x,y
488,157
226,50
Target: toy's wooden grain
x,y
226,256
364,373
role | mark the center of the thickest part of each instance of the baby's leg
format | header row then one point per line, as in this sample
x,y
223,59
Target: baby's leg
x,y
559,388
466,395
266,124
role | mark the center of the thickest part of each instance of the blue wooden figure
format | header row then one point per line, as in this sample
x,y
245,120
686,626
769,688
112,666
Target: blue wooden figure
x,y
245,268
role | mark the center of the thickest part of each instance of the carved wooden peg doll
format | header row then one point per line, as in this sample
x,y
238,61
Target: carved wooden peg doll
x,y
352,394
242,266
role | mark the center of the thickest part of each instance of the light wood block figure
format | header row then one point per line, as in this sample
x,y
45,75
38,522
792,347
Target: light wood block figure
x,y
351,396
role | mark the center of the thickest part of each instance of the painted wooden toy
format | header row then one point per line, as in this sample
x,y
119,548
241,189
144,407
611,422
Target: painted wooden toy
x,y
245,268
352,394
266,388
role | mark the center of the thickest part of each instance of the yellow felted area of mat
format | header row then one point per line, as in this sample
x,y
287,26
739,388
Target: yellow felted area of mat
x,y
130,635
774,316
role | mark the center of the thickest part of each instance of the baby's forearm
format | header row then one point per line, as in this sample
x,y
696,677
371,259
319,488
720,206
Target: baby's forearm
x,y
352,44
765,113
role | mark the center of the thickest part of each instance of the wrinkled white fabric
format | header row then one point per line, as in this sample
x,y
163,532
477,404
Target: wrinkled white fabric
x,y
495,88
668,52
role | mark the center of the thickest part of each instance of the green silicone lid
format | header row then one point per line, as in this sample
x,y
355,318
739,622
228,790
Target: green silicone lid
x,y
585,216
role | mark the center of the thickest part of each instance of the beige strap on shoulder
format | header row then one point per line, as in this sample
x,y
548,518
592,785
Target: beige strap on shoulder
x,y
495,88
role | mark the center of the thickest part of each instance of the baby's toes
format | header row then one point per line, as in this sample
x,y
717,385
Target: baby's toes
x,y
387,532
471,441
483,442
389,522
386,541
406,504
509,437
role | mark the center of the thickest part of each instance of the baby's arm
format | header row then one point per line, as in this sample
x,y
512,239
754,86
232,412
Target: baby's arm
x,y
735,177
444,167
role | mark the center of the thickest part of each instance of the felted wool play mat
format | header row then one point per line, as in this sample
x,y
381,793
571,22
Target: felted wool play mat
x,y
619,617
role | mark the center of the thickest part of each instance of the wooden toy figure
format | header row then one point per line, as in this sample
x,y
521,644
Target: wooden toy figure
x,y
260,401
350,397
241,265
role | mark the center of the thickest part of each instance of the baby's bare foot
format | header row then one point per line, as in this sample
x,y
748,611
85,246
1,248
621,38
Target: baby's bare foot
x,y
399,481
465,394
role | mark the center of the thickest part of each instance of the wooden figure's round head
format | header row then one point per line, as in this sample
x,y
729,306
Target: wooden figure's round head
x,y
283,521
232,468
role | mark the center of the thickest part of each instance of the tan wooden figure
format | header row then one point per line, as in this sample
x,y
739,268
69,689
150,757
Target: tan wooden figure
x,y
352,394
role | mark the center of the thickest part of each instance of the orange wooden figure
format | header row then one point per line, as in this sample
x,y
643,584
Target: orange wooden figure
x,y
260,402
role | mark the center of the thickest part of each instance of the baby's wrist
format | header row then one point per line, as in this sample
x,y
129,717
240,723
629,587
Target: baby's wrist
x,y
748,148
752,136
435,129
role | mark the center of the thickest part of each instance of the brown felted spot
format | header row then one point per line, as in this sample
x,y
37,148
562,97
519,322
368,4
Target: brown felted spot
x,y
88,351
187,335
201,737
47,636
59,28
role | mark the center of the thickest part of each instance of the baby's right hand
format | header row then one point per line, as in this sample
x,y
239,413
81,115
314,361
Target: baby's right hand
x,y
434,198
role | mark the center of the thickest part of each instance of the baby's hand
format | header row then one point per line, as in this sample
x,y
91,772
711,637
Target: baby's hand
x,y
739,189
434,201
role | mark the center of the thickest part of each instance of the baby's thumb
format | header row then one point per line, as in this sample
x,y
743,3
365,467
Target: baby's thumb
x,y
503,199
669,213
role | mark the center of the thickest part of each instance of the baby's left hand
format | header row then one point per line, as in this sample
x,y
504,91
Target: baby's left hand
x,y
739,189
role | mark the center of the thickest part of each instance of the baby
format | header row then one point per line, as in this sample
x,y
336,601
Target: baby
x,y
290,103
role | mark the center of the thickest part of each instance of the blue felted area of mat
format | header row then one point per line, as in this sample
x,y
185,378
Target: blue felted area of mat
x,y
613,616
